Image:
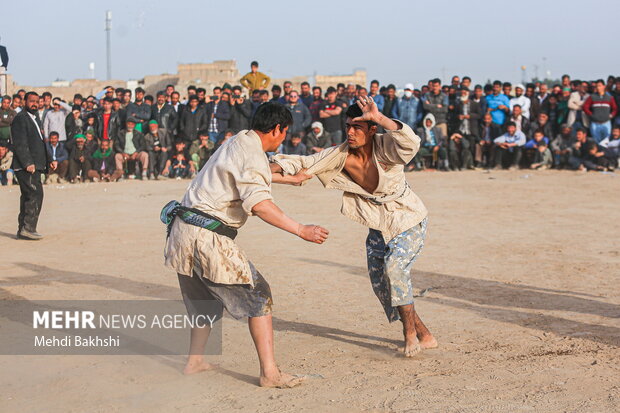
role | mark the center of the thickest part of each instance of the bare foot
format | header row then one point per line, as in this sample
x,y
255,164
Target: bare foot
x,y
428,342
282,381
412,347
197,367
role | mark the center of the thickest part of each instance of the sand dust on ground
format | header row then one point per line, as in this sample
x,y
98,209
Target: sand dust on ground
x,y
523,270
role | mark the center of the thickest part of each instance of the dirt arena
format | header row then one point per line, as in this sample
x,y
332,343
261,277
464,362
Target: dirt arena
x,y
523,270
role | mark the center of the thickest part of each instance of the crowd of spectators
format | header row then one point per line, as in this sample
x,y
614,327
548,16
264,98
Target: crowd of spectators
x,y
120,134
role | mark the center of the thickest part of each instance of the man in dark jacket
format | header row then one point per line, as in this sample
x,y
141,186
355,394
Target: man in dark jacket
x,y
164,114
158,146
108,122
103,165
139,110
130,147
240,111
192,120
57,152
301,115
485,149
218,114
436,102
317,139
30,160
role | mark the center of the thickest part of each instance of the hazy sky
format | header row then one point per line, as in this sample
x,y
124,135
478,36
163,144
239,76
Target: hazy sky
x,y
396,41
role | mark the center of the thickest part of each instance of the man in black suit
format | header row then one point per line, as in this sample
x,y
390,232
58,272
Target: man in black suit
x,y
4,63
30,160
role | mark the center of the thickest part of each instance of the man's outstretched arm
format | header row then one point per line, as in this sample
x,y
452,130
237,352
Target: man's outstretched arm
x,y
279,177
271,214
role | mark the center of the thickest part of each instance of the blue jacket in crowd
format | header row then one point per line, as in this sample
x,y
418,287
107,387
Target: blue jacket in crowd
x,y
61,152
498,115
408,111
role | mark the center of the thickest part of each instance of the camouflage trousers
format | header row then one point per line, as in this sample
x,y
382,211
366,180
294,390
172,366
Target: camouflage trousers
x,y
389,266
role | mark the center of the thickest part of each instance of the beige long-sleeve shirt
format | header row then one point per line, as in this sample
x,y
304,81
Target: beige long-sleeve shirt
x,y
232,182
393,207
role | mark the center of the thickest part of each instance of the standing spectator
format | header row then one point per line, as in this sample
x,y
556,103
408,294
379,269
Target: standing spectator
x,y
108,122
79,160
30,160
175,102
74,123
390,101
317,139
408,108
240,111
521,100
55,120
139,110
164,114
103,164
158,145
6,158
4,63
201,149
288,87
468,116
255,80
508,148
543,96
576,118
507,89
192,120
498,104
57,152
480,99
218,113
601,109
306,94
315,106
560,146
6,117
301,115
329,113
374,93
130,146
436,102
530,93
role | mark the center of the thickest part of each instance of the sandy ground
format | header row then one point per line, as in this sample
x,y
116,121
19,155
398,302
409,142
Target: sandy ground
x,y
525,301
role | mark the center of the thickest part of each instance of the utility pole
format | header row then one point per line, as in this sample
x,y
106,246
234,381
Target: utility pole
x,y
108,28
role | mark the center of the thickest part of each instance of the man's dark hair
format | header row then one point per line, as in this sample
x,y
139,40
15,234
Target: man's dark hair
x,y
318,87
477,87
149,97
6,97
276,87
466,78
269,115
203,132
217,88
305,84
167,86
288,82
191,87
115,100
127,91
236,88
107,86
27,95
256,92
582,130
497,83
340,85
355,111
254,63
46,94
201,90
565,76
488,87
530,86
119,90
514,106
264,92
139,90
391,86
192,97
54,133
591,145
108,100
77,96
575,83
538,131
436,80
374,81
161,93
330,90
600,81
511,124
506,84
175,93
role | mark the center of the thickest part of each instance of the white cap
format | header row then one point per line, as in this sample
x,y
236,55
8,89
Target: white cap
x,y
409,86
520,86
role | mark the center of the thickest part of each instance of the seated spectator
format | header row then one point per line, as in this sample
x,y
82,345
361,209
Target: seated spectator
x,y
294,146
158,144
201,149
6,159
179,165
485,148
531,146
508,148
92,144
56,152
317,139
227,135
560,147
79,162
613,145
541,123
579,150
459,153
130,148
103,164
597,158
432,145
544,157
